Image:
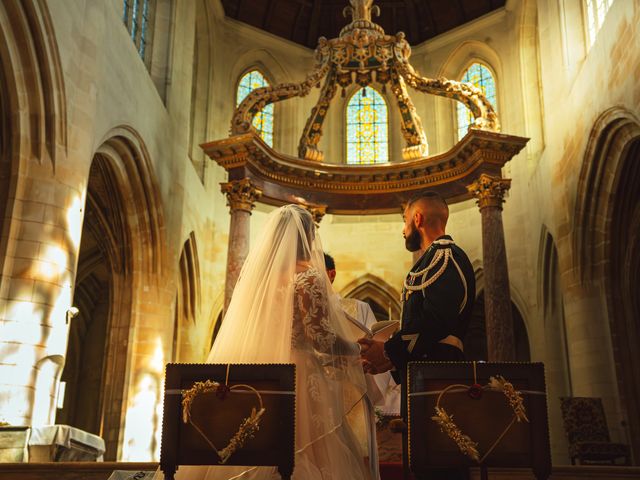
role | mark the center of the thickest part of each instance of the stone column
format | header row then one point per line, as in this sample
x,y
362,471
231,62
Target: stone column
x,y
241,198
489,192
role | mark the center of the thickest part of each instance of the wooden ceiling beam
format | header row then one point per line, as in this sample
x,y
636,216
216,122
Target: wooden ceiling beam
x,y
432,22
412,13
462,15
266,21
314,24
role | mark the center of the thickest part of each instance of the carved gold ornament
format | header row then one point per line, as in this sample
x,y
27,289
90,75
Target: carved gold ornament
x,y
489,191
363,55
466,445
248,427
241,194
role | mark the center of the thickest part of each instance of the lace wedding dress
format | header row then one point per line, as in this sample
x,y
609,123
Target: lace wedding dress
x,y
284,310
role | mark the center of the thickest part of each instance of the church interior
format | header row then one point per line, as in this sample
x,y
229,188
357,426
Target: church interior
x,y
128,131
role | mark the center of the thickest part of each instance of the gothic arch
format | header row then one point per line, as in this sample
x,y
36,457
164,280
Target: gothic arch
x,y
273,71
371,287
467,53
335,140
556,348
607,244
458,61
119,267
33,75
345,118
32,99
611,136
187,308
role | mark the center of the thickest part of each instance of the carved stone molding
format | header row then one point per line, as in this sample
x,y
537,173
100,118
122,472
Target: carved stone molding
x,y
241,194
489,191
366,189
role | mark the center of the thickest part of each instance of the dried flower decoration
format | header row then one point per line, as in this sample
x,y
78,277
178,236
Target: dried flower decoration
x,y
466,445
248,427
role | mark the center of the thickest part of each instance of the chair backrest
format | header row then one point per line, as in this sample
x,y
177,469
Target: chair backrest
x,y
584,420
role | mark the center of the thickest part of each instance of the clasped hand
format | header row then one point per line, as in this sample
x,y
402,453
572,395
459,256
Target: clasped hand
x,y
372,356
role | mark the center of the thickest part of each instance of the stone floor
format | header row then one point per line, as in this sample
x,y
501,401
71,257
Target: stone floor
x,y
102,471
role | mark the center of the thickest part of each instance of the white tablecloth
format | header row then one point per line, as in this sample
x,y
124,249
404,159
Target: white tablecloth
x,y
63,435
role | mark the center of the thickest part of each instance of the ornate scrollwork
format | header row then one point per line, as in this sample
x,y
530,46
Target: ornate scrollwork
x,y
261,97
467,93
241,194
411,124
308,147
489,191
364,54
317,212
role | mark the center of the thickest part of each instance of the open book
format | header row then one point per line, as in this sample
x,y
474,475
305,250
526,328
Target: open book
x,y
380,331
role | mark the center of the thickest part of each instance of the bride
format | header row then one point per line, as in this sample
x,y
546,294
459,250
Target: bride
x,y
283,294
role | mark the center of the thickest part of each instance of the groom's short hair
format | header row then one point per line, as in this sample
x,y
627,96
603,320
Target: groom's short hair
x,y
429,197
329,262
434,203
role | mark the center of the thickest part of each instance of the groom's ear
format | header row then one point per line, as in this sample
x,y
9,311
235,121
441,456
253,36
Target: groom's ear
x,y
418,219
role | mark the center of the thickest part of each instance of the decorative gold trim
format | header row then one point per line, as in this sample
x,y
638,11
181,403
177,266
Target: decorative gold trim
x,y
489,191
445,168
241,194
410,122
308,147
317,212
485,117
361,54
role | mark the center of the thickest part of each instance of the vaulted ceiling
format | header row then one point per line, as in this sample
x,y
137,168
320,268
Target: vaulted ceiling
x,y
303,21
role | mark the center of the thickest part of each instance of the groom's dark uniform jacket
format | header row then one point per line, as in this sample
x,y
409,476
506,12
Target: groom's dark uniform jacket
x,y
434,308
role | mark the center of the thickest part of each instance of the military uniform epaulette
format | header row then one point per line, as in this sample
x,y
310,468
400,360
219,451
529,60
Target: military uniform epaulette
x,y
443,253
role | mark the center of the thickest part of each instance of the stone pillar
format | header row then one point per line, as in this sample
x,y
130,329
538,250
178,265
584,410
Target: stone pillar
x,y
489,192
241,198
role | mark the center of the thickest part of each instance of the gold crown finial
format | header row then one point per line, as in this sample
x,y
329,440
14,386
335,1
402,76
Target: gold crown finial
x,y
361,10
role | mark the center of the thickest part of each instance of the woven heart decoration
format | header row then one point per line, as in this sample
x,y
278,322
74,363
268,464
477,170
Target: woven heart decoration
x,y
466,445
248,427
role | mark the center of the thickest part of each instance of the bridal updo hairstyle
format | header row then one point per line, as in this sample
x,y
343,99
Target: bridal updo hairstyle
x,y
309,228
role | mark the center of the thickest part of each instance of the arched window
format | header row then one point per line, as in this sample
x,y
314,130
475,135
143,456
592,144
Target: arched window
x,y
481,77
263,121
596,11
367,128
138,17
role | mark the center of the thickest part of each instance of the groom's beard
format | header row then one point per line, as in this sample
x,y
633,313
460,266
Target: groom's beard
x,y
413,241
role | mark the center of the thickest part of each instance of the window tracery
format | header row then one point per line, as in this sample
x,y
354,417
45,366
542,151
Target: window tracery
x,y
367,128
263,121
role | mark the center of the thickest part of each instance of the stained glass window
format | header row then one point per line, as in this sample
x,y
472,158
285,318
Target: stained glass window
x,y
481,77
136,16
596,11
367,128
263,121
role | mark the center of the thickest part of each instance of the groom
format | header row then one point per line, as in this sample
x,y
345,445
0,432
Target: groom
x,y
437,298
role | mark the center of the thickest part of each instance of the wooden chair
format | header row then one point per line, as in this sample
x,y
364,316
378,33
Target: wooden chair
x,y
586,427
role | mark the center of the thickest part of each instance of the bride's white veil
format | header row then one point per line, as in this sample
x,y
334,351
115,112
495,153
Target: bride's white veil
x,y
258,327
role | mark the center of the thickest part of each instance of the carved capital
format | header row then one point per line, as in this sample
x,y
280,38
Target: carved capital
x,y
489,191
241,194
317,212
